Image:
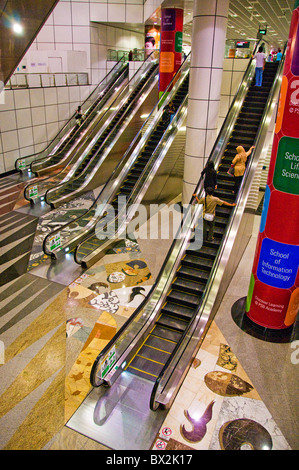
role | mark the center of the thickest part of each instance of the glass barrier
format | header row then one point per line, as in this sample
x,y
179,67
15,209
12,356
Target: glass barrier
x,y
138,54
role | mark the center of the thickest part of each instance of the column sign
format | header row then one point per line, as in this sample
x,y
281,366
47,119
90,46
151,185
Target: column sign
x,y
273,297
171,43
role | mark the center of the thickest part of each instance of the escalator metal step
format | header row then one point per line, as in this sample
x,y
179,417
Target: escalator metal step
x,y
166,319
192,261
226,184
224,194
151,353
185,299
189,285
160,344
224,211
221,221
136,367
176,310
166,333
198,275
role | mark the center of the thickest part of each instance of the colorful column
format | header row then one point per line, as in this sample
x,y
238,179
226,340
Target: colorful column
x,y
273,297
171,42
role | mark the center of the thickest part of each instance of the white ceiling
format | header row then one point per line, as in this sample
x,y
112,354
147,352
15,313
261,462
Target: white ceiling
x,y
245,17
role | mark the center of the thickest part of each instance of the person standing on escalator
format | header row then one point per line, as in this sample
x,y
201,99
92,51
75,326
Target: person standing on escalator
x,y
210,175
210,202
168,113
239,164
260,61
79,116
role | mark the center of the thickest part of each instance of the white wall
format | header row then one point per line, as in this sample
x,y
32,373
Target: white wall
x,y
43,61
29,119
104,37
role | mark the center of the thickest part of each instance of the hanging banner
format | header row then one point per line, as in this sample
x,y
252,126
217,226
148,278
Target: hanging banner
x,y
273,297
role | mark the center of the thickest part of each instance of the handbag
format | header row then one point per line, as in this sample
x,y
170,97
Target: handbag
x,y
231,171
207,216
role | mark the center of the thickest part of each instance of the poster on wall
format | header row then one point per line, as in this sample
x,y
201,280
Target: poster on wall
x,y
152,38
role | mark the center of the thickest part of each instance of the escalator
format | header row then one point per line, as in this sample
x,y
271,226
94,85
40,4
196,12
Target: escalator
x,y
130,182
84,175
158,341
187,289
58,153
132,178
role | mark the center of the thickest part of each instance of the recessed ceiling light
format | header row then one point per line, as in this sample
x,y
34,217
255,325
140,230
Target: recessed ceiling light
x,y
17,28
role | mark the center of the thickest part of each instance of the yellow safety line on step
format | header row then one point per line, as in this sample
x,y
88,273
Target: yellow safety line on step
x,y
143,371
152,360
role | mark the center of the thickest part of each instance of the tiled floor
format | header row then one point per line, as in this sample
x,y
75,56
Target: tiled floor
x,y
53,330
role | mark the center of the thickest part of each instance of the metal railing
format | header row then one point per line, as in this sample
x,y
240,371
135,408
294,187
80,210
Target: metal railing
x,y
45,80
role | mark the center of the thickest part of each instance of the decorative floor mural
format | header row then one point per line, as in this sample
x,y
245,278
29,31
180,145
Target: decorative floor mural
x,y
55,219
217,407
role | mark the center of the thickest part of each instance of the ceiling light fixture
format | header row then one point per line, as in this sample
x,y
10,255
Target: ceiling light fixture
x,y
17,28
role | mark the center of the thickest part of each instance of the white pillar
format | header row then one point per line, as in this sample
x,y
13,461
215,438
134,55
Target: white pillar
x,y
207,54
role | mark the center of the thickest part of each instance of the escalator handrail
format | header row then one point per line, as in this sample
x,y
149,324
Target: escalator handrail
x,y
85,170
233,215
119,166
62,130
90,118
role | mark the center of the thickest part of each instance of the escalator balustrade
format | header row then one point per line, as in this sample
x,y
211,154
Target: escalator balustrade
x,y
93,156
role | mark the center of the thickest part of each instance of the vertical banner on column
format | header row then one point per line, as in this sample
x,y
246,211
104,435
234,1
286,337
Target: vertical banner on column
x,y
273,297
170,45
152,39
